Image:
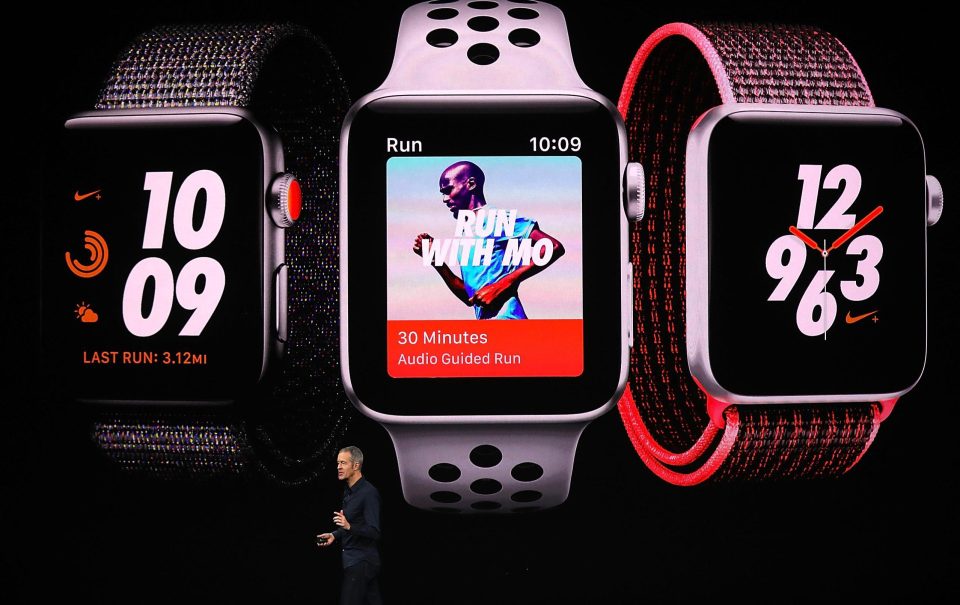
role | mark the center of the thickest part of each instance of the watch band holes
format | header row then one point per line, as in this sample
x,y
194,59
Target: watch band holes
x,y
485,505
483,24
486,487
529,495
445,497
483,54
486,456
524,38
442,38
444,472
442,14
527,471
524,14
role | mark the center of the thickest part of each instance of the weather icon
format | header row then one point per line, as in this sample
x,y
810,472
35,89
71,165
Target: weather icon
x,y
86,314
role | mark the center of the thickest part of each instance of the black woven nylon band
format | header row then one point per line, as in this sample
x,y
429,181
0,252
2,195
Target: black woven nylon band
x,y
289,80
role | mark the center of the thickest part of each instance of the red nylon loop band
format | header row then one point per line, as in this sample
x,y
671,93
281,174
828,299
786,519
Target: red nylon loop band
x,y
680,72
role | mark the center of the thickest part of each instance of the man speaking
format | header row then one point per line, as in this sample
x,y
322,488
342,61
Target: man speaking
x,y
359,531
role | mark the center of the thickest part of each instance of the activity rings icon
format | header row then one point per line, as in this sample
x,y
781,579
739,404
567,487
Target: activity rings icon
x,y
99,253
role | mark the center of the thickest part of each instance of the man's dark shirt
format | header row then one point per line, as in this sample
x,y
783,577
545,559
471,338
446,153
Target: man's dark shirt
x,y
361,507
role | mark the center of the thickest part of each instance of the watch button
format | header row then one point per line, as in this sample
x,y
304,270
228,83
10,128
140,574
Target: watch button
x,y
280,302
635,191
286,200
934,200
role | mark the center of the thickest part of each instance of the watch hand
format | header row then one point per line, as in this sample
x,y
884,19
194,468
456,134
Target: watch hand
x,y
803,237
853,230
824,314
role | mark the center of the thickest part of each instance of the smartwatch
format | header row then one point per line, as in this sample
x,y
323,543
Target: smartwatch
x,y
484,277
190,245
782,309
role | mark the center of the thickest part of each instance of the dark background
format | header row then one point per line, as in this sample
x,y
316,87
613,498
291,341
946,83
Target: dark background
x,y
75,528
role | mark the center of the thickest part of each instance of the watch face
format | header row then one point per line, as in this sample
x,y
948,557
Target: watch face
x,y
817,235
153,260
454,258
471,226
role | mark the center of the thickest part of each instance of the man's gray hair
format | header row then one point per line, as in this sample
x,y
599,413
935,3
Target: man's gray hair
x,y
355,454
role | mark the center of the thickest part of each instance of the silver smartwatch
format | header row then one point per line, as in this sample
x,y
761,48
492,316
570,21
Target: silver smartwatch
x,y
485,196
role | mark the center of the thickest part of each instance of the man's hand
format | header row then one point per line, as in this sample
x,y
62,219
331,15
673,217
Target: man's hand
x,y
339,519
418,243
490,293
324,540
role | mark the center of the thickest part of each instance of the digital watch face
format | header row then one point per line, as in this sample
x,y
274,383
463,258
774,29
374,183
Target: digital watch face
x,y
484,257
817,255
153,263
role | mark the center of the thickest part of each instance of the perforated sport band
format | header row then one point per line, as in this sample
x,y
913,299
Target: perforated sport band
x,y
491,48
503,47
680,72
289,80
486,467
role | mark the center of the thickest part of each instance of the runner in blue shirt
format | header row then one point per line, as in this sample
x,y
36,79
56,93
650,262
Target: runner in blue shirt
x,y
490,288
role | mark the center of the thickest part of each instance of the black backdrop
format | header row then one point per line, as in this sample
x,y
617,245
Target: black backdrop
x,y
73,527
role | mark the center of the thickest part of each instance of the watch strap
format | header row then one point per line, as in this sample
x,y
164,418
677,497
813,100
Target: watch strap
x,y
494,47
289,80
166,445
478,468
761,442
680,72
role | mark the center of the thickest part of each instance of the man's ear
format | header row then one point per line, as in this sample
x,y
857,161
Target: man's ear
x,y
471,183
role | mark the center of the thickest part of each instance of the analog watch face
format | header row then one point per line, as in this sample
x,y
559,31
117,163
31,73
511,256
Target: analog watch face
x,y
817,235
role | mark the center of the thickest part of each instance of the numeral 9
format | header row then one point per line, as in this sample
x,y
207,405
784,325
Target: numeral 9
x,y
203,302
788,273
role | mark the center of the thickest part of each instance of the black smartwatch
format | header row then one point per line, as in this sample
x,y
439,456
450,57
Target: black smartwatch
x,y
190,255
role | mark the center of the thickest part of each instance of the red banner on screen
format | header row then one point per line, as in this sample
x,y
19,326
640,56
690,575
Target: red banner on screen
x,y
481,348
